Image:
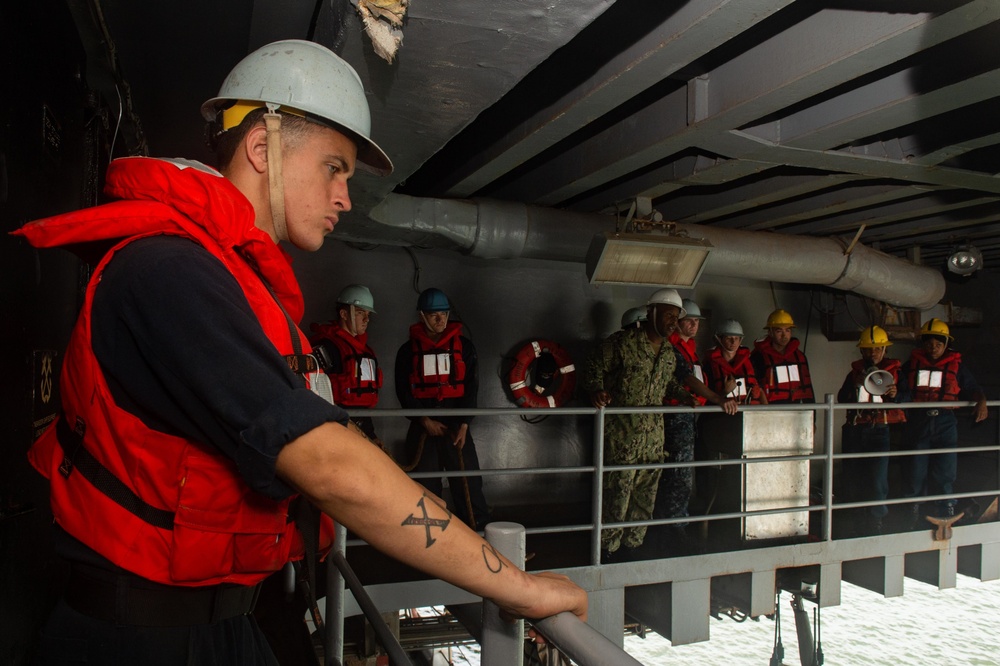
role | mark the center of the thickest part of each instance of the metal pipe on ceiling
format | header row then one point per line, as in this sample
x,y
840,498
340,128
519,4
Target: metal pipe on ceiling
x,y
493,229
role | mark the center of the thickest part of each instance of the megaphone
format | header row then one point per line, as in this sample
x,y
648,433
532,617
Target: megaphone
x,y
877,382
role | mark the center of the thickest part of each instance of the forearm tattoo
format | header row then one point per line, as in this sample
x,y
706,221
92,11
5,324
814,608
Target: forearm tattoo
x,y
427,521
492,559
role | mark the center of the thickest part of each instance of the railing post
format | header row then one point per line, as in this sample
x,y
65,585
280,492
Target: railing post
x,y
828,472
333,643
598,487
503,642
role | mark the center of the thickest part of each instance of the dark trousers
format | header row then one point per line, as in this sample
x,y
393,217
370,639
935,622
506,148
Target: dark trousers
x,y
866,479
932,474
70,637
439,453
676,484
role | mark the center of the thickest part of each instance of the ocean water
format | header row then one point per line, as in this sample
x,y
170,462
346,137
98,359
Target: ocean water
x,y
924,627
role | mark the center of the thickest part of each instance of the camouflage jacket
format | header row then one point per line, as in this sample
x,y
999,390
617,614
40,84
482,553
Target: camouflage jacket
x,y
625,366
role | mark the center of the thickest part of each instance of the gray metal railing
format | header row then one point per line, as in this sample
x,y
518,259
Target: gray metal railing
x,y
577,642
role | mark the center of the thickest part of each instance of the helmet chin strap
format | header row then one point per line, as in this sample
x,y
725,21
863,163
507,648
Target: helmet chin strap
x,y
352,328
275,179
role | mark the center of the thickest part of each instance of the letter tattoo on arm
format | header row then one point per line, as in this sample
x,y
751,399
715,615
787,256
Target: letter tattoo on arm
x,y
492,559
426,521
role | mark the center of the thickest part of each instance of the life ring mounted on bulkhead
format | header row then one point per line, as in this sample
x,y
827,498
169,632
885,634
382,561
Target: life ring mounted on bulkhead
x,y
553,375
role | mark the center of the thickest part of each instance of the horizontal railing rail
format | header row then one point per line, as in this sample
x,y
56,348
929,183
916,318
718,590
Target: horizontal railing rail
x,y
822,453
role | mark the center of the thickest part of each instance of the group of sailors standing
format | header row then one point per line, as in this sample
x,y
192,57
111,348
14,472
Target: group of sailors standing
x,y
776,371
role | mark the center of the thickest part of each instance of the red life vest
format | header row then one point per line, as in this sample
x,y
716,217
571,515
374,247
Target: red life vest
x,y
360,378
739,368
689,352
934,381
177,511
438,367
786,375
859,370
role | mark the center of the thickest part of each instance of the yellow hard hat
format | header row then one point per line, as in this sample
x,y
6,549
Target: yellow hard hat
x,y
873,336
780,319
935,327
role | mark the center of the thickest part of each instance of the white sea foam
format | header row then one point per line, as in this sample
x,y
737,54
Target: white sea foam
x,y
924,627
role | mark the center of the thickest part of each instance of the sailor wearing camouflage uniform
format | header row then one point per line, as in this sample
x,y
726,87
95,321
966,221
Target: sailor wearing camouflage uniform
x,y
634,367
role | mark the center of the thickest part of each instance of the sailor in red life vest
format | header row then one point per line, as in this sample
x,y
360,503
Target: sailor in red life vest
x,y
677,483
781,368
935,373
438,368
728,370
341,347
867,430
191,417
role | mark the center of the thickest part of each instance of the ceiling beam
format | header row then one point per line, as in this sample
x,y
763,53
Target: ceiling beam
x,y
761,81
695,29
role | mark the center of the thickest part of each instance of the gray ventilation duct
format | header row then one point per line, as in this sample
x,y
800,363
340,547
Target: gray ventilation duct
x,y
505,230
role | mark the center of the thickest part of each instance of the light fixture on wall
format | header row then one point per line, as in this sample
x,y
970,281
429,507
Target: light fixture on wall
x,y
647,259
965,260
645,249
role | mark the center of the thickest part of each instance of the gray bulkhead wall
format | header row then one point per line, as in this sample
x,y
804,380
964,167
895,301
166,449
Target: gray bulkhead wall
x,y
506,303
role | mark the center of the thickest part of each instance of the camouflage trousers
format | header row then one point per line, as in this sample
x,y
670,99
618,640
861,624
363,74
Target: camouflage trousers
x,y
630,439
676,484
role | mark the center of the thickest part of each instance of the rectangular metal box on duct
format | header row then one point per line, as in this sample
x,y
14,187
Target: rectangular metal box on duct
x,y
779,484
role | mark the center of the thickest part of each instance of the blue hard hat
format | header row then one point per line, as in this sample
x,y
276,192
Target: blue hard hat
x,y
433,300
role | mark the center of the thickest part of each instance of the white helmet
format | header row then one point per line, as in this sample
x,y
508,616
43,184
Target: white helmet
x,y
632,316
668,297
692,309
305,79
729,327
357,295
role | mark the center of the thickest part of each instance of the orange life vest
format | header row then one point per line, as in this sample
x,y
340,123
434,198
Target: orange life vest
x,y
934,381
438,366
359,380
739,368
786,375
172,510
689,352
859,369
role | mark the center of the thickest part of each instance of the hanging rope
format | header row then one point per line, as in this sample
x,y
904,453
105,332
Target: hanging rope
x,y
468,495
416,457
818,651
778,654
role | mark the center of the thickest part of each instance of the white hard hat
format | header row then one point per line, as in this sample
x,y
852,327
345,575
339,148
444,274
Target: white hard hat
x,y
305,79
729,327
668,297
357,295
692,309
633,315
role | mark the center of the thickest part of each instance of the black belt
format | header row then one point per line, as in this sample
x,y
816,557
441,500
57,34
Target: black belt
x,y
121,602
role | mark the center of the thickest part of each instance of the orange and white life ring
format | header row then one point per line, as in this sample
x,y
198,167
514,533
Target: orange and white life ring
x,y
534,396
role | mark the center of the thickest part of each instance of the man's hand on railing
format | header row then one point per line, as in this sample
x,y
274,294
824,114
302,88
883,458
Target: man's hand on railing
x,y
545,594
600,398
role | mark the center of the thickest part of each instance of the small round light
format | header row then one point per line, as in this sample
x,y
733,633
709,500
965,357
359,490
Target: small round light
x,y
965,260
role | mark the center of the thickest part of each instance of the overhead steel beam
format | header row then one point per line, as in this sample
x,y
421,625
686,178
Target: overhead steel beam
x,y
825,204
761,81
698,208
693,30
877,107
842,161
911,209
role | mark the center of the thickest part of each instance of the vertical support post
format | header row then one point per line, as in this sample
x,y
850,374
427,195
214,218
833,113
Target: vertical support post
x,y
598,487
333,642
503,642
828,472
